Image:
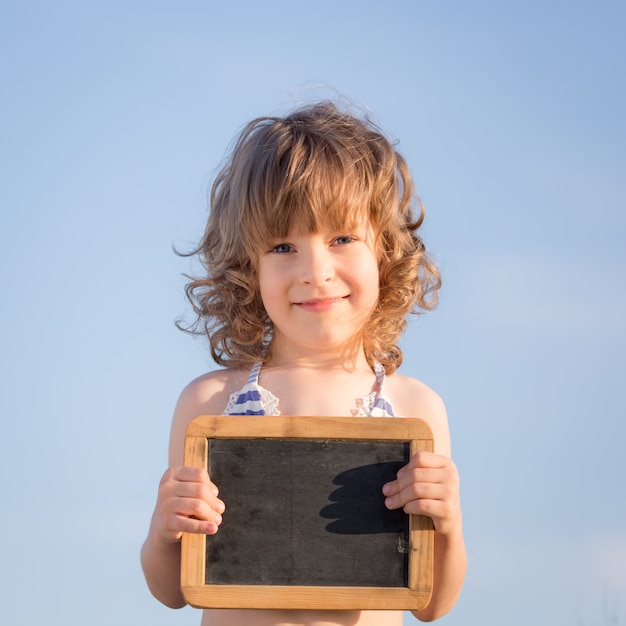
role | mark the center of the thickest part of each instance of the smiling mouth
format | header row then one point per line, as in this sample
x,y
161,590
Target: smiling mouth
x,y
320,300
320,303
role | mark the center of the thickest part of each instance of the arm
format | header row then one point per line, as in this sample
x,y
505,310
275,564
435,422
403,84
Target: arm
x,y
429,485
187,501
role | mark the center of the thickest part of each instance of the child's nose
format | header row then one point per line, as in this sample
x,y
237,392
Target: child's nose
x,y
317,268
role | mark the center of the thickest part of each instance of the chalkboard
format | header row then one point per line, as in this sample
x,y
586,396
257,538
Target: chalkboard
x,y
305,525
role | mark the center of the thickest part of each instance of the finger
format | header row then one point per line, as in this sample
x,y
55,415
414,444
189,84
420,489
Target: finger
x,y
192,525
191,515
435,509
195,490
191,482
193,475
195,507
426,459
444,513
415,491
410,476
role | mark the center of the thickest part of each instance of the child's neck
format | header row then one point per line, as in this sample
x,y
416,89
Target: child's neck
x,y
317,382
347,358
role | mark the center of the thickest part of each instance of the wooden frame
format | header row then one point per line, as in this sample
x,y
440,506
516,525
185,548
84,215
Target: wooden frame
x,y
413,596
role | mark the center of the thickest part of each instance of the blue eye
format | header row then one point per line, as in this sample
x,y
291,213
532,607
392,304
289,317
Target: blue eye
x,y
282,248
344,239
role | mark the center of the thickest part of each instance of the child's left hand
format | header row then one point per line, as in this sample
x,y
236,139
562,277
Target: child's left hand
x,y
427,485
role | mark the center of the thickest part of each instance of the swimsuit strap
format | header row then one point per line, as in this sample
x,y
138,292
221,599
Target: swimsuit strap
x,y
248,400
379,370
252,399
255,371
382,407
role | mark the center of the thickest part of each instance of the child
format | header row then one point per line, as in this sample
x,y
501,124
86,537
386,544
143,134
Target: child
x,y
312,263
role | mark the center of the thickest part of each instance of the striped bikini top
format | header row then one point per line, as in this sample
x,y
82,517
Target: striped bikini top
x,y
252,399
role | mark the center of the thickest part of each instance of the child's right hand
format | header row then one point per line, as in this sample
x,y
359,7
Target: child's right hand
x,y
187,501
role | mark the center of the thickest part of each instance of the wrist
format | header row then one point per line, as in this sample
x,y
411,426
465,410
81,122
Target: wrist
x,y
452,531
159,540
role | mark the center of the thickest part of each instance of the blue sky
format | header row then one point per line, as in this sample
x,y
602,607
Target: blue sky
x,y
114,116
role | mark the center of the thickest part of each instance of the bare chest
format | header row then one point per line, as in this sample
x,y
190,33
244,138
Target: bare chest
x,y
324,396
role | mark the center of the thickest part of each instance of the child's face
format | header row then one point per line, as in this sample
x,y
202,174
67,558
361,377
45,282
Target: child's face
x,y
319,288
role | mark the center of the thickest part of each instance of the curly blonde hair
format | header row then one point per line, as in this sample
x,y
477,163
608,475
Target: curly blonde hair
x,y
317,166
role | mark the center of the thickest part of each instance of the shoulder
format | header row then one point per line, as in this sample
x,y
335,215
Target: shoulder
x,y
210,391
412,398
206,395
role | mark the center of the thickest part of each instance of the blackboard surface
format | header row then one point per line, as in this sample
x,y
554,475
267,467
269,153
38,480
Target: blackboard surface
x,y
307,513
305,525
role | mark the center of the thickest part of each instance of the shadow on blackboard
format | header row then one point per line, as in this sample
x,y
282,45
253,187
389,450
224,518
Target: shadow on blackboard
x,y
358,504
